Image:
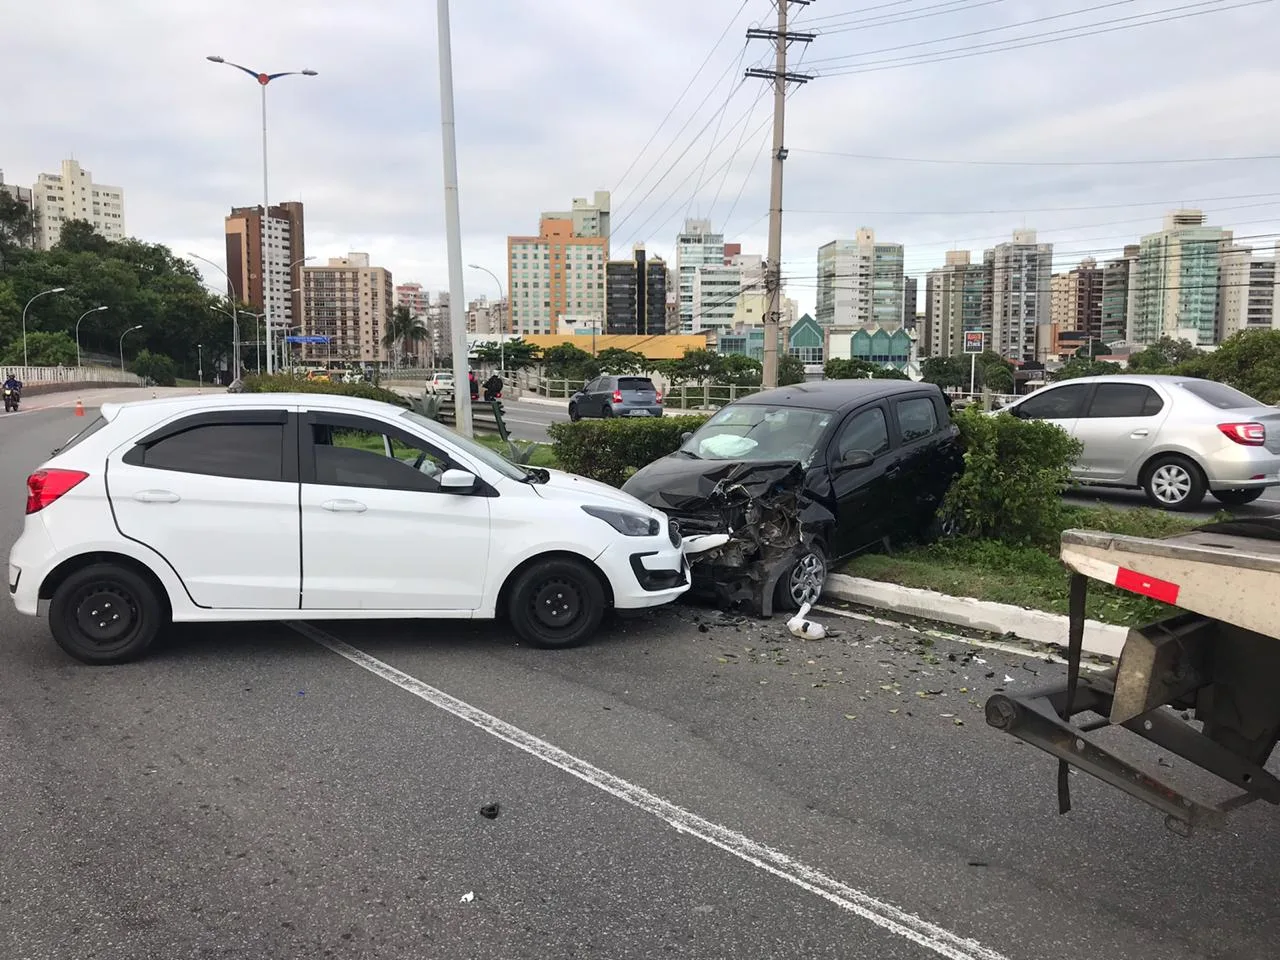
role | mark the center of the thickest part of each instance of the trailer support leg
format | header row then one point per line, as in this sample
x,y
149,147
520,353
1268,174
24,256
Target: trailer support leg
x,y
1079,593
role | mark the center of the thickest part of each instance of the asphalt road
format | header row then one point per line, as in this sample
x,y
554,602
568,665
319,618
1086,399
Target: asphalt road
x,y
685,787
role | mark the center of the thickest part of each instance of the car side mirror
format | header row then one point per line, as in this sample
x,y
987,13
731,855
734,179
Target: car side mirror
x,y
457,481
857,458
686,436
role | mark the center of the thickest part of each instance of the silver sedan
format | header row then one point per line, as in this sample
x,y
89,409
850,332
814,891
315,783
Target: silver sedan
x,y
1176,438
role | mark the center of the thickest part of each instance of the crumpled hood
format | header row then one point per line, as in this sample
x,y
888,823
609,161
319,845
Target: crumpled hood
x,y
686,485
570,487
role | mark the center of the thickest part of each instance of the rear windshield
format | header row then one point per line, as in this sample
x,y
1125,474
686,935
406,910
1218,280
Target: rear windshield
x,y
1219,394
84,434
635,383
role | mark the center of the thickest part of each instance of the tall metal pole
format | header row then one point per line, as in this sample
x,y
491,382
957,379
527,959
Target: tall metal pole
x,y
453,226
502,327
42,293
773,272
266,256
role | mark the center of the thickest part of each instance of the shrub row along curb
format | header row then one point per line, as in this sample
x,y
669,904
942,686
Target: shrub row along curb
x,y
1100,639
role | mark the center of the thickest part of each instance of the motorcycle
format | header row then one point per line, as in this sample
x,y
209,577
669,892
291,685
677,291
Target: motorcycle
x,y
11,399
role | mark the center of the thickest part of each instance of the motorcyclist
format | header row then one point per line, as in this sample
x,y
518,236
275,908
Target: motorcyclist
x,y
12,382
493,387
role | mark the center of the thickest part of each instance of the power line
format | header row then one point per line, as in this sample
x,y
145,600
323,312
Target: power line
x,y
684,93
716,133
893,19
1046,163
964,53
1183,201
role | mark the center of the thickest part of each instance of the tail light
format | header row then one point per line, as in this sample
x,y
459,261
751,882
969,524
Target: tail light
x,y
657,396
1248,434
617,396
46,486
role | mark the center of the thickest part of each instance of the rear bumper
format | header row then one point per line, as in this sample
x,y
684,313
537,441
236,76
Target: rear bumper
x,y
1242,468
30,560
636,410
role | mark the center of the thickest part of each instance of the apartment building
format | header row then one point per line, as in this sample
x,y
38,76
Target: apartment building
x,y
414,297
559,275
636,294
860,282
718,289
1075,308
953,303
22,196
487,317
285,257
72,195
1018,295
1177,280
699,247
1119,292
349,301
1246,292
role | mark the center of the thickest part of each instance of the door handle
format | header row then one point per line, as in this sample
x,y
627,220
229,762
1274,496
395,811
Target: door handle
x,y
344,506
1140,433
892,473
156,496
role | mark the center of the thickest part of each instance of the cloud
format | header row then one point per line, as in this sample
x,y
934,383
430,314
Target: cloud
x,y
557,100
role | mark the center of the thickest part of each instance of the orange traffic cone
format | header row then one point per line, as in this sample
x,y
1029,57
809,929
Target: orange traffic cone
x,y
79,409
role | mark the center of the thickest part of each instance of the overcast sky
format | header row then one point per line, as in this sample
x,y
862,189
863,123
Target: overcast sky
x,y
556,99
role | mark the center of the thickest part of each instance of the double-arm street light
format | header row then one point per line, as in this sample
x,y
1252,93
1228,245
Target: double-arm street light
x,y
122,336
42,293
263,80
82,316
502,332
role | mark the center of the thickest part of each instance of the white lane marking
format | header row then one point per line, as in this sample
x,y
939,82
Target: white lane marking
x,y
884,915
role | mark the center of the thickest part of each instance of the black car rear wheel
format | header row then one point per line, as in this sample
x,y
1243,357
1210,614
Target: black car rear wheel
x,y
105,614
804,580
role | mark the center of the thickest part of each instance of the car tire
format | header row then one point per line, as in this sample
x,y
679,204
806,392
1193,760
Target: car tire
x,y
574,415
606,411
939,527
557,603
1237,498
1174,483
809,566
105,613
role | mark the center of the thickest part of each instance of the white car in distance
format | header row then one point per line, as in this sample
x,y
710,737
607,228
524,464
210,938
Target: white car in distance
x,y
257,507
441,383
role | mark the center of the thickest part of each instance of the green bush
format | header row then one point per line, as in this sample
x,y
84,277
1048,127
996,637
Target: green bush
x,y
609,450
281,383
1014,474
155,367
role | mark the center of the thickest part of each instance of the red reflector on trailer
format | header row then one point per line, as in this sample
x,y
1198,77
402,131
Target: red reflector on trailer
x,y
1152,587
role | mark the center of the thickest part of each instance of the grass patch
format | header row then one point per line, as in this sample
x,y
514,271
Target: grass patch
x,y
1027,576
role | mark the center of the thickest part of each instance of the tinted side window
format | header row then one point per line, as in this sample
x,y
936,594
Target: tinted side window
x,y
917,419
361,454
1125,400
592,387
865,431
1219,394
1055,403
241,451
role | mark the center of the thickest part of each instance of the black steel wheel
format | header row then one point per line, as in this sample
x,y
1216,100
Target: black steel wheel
x,y
574,415
105,614
556,603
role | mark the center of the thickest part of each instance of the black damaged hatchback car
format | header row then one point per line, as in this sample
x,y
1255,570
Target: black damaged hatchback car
x,y
801,477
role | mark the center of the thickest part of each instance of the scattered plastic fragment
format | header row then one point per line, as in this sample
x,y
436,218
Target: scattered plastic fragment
x,y
490,811
468,896
805,629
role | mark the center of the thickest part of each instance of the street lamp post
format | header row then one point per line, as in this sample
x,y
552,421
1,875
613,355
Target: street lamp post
x,y
235,347
200,364
82,316
502,332
42,293
264,79
122,336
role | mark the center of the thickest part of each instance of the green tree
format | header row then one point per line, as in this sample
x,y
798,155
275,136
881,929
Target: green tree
x,y
78,236
838,368
1163,355
1248,361
1080,367
564,361
155,367
403,328
790,370
998,378
617,361
737,370
44,349
700,365
945,371
515,354
17,224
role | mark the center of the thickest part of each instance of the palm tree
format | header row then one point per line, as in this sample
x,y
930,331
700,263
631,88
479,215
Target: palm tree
x,y
403,328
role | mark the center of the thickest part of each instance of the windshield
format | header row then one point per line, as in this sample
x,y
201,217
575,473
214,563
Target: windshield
x,y
1219,395
759,432
472,449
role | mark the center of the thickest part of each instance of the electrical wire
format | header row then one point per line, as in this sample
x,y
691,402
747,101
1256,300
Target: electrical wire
x,y
1181,202
1044,163
893,19
715,137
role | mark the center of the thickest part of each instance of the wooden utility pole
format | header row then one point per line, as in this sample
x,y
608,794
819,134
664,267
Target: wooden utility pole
x,y
773,268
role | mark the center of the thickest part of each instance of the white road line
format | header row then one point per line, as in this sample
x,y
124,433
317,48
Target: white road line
x,y
884,915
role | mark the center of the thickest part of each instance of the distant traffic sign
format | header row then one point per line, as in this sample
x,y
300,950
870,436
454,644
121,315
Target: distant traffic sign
x,y
306,339
975,341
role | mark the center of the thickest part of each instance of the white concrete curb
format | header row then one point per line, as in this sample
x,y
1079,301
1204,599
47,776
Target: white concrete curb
x,y
999,618
544,401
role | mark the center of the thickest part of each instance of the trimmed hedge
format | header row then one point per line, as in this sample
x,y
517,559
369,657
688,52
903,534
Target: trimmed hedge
x,y
1014,474
610,450
281,383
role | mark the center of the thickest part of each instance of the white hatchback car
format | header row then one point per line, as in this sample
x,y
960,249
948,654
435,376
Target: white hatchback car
x,y
310,507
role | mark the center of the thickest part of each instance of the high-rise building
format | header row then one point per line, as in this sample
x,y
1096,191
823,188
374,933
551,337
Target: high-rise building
x,y
487,317
1119,292
22,196
1177,280
349,301
636,294
72,195
559,275
718,289
910,292
1017,296
1247,292
697,246
439,324
286,252
1076,300
954,296
860,282
413,296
